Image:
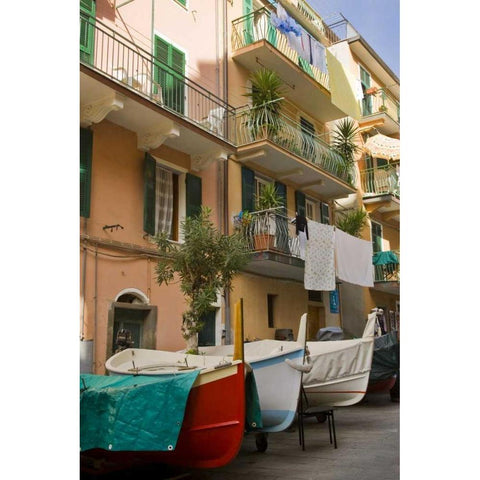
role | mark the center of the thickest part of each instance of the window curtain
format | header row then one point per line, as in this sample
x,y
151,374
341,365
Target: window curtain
x,y
163,200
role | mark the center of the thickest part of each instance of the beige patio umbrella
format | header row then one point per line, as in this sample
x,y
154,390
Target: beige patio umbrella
x,y
380,146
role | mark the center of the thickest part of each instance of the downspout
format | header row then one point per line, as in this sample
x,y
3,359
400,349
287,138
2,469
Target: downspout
x,y
228,332
95,311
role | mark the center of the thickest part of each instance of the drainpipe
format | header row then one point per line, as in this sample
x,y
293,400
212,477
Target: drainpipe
x,y
95,311
228,333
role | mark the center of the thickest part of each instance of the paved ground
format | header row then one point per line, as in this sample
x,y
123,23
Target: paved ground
x,y
368,449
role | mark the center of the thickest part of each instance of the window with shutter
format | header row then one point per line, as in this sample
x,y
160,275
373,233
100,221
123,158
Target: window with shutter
x,y
376,237
87,19
160,211
325,213
169,73
86,144
193,194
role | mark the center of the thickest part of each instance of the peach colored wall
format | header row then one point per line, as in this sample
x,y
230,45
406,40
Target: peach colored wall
x,y
193,31
117,198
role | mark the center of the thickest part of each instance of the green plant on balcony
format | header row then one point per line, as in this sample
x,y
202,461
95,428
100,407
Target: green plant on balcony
x,y
344,142
382,108
353,221
265,227
266,95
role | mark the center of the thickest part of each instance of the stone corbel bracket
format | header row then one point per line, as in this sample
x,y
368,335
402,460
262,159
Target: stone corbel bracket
x,y
203,161
96,111
155,136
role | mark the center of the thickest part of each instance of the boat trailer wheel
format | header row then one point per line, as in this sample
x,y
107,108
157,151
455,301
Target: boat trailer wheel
x,y
321,417
261,441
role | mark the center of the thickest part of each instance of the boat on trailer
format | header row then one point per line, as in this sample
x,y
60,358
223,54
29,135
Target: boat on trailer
x,y
213,420
340,369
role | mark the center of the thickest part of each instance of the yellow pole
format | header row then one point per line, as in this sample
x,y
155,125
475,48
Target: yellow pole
x,y
238,332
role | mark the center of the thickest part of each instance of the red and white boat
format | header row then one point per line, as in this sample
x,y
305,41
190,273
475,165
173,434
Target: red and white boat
x,y
214,420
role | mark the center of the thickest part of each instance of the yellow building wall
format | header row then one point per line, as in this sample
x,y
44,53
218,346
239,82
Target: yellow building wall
x,y
290,304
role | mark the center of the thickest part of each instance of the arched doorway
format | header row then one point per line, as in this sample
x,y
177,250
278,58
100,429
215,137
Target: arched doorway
x,y
131,313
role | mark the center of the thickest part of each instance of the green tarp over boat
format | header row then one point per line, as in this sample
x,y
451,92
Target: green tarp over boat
x,y
133,413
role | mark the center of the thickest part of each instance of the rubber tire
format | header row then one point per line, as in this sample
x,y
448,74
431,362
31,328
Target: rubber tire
x,y
261,441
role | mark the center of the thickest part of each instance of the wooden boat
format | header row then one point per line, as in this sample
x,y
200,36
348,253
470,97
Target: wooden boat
x,y
339,369
213,423
278,384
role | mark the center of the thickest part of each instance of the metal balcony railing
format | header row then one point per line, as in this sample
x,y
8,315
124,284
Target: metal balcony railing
x,y
380,101
258,25
389,272
269,230
116,57
263,123
380,181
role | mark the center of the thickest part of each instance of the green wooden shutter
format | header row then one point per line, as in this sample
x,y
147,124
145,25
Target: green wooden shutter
x,y
282,221
149,180
248,189
376,237
169,72
87,30
248,25
300,203
86,144
367,99
178,85
193,194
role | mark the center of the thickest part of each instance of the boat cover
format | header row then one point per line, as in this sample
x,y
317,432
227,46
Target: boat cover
x,y
133,413
386,357
330,333
337,359
253,412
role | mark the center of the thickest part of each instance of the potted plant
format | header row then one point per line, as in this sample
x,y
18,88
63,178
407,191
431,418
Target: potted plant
x,y
382,108
266,95
265,227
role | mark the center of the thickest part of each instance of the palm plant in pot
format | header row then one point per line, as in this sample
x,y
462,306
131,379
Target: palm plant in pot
x,y
266,96
265,227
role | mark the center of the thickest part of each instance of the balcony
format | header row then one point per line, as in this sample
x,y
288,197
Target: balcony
x,y
381,191
126,84
277,145
382,110
274,245
387,271
256,43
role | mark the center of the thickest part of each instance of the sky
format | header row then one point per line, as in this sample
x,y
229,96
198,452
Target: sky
x,y
377,21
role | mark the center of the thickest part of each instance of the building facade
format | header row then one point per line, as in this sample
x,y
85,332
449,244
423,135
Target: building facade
x,y
169,123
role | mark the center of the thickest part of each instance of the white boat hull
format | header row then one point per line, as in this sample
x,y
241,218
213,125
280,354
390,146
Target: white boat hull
x,y
340,369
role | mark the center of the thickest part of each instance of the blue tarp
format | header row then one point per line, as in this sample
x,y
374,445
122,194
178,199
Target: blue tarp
x,y
134,413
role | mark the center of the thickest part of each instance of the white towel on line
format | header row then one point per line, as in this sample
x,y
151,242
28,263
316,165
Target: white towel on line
x,y
353,259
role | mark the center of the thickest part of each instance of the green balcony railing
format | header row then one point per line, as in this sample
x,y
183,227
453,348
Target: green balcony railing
x,y
268,230
258,26
388,272
261,123
383,180
119,59
380,101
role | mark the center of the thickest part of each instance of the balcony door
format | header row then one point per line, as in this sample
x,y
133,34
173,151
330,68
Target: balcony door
x,y
169,74
366,81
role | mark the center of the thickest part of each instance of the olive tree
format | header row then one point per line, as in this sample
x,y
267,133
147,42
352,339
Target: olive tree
x,y
205,263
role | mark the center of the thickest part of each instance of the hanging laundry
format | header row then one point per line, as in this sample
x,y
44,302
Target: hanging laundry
x,y
319,273
284,23
353,259
318,56
342,87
